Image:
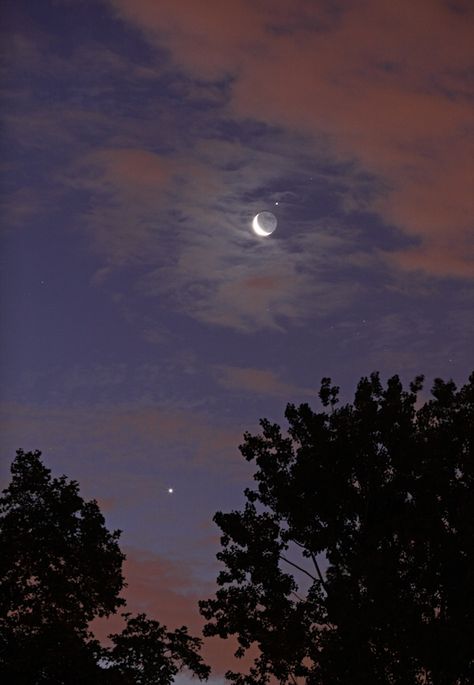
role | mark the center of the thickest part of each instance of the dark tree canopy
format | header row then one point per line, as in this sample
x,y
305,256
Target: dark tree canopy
x,y
145,653
59,568
352,562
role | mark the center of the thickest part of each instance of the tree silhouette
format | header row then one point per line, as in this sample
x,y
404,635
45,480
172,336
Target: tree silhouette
x,y
59,568
145,652
352,562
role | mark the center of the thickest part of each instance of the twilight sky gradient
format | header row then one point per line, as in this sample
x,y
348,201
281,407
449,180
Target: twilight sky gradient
x,y
144,326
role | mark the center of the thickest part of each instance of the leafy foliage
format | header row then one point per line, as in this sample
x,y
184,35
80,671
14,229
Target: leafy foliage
x,y
60,567
352,561
146,653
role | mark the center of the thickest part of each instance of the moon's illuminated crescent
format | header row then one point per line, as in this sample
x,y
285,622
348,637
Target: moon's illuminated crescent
x,y
264,223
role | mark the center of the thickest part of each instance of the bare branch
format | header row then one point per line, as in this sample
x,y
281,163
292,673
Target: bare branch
x,y
297,596
315,562
298,567
300,544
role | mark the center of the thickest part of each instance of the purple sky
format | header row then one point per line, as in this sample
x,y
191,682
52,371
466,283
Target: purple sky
x,y
144,326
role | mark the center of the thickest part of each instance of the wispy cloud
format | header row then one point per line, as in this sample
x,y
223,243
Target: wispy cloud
x,y
369,77
359,107
213,268
171,194
149,433
259,381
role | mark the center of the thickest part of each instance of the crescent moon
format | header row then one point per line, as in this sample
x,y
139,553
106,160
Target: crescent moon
x,y
261,230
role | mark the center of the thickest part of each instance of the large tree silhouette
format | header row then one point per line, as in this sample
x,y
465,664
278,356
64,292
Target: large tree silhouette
x,y
59,568
352,562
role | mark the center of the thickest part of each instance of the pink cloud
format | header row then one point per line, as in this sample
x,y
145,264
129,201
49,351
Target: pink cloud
x,y
258,381
168,592
382,82
133,171
132,167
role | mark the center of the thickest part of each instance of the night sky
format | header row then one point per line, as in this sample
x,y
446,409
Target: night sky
x,y
144,325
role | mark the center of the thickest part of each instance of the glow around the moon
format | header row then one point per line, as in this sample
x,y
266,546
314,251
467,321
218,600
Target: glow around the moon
x,y
264,223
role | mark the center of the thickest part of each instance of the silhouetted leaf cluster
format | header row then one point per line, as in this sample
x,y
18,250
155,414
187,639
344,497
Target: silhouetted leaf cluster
x,y
352,562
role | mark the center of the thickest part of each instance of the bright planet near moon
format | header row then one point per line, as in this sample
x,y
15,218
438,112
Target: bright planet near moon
x,y
264,223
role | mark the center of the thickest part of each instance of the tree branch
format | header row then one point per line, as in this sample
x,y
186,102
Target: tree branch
x,y
297,596
300,544
298,567
315,562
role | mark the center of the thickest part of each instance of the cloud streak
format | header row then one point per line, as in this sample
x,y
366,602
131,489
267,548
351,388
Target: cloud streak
x,y
258,381
153,434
